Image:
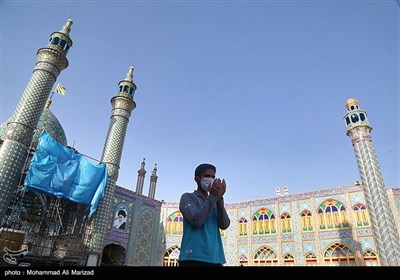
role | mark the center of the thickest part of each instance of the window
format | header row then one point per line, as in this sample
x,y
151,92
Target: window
x,y
265,257
264,222
286,223
171,256
339,255
306,221
361,213
288,260
243,227
55,40
243,261
370,258
311,259
354,118
174,224
332,215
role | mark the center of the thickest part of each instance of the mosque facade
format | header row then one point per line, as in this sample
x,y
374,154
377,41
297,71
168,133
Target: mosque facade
x,y
354,225
328,227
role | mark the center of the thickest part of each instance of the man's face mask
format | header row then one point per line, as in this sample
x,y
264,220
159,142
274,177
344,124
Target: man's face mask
x,y
205,183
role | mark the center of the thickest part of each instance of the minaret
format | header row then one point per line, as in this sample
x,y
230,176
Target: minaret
x,y
122,107
153,182
51,60
382,219
140,179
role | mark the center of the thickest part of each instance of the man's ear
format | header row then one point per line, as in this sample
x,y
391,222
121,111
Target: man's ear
x,y
197,178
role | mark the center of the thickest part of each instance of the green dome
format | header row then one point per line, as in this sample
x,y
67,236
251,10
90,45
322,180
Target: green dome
x,y
47,122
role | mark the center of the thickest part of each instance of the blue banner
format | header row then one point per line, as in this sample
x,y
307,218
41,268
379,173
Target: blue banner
x,y
59,171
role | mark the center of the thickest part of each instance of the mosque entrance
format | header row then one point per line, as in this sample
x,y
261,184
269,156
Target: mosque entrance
x,y
113,255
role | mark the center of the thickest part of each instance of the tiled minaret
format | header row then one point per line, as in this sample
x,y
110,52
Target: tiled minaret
x,y
122,107
382,220
140,180
51,60
153,182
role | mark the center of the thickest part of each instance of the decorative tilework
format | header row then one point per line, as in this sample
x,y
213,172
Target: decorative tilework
x,y
285,208
270,207
367,243
131,194
395,190
255,247
143,242
346,241
242,240
308,236
44,66
339,197
335,234
242,212
294,197
287,247
382,220
364,231
304,205
243,250
398,203
357,197
263,239
55,61
287,237
122,113
230,237
296,224
309,247
300,240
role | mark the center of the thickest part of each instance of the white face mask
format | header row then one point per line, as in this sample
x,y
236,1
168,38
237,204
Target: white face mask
x,y
205,183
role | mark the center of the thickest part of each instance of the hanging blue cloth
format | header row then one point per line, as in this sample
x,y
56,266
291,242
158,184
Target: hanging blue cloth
x,y
59,171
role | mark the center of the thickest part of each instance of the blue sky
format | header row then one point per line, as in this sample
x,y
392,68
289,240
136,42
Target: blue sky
x,y
257,88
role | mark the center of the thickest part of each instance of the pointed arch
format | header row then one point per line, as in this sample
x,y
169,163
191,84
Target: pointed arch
x,y
113,255
332,214
171,256
264,222
243,261
265,256
361,215
370,258
306,221
174,225
286,223
288,260
143,242
242,226
311,259
338,254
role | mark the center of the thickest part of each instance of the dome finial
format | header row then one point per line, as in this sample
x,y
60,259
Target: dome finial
x,y
67,27
154,170
129,75
351,101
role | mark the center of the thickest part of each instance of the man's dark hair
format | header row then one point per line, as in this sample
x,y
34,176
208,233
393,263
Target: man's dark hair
x,y
203,167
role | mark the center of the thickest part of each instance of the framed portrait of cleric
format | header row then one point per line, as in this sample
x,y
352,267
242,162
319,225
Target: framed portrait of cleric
x,y
120,218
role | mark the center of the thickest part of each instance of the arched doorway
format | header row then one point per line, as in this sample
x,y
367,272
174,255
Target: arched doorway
x,y
113,255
